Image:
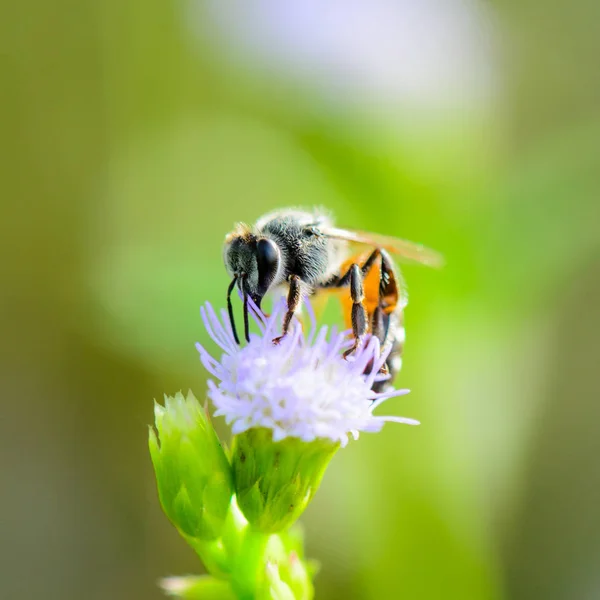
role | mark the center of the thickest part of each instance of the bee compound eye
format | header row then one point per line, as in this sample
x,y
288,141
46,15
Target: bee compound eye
x,y
266,253
267,258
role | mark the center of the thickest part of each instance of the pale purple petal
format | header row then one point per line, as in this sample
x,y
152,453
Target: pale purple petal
x,y
302,387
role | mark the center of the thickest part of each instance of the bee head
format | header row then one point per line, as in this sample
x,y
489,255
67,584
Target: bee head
x,y
253,262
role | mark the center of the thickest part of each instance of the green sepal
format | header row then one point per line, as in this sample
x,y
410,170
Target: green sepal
x,y
275,481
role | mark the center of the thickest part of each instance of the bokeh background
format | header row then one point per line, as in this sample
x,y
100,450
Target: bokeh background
x,y
135,132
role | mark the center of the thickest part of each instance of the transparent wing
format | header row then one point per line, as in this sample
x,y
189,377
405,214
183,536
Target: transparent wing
x,y
405,250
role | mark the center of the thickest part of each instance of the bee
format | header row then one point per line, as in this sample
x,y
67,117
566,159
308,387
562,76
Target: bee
x,y
303,252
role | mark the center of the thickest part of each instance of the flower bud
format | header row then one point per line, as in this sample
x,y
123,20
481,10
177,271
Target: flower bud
x,y
275,481
286,550
193,474
276,588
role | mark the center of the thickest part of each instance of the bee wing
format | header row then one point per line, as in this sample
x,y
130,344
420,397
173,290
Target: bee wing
x,y
407,251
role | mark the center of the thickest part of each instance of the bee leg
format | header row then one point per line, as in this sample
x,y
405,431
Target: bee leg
x,y
380,325
392,339
293,301
377,325
343,280
354,276
379,328
359,314
379,322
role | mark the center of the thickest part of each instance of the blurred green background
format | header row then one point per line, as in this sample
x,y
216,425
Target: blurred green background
x,y
134,133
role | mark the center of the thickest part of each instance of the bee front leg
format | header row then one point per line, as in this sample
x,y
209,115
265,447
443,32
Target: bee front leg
x,y
359,314
293,302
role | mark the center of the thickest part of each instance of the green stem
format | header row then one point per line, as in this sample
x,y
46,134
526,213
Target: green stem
x,y
248,571
212,554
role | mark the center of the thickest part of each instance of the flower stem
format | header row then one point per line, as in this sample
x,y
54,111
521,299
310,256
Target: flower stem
x,y
212,554
247,573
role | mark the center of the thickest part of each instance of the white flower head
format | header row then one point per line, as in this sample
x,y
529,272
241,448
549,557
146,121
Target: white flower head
x,y
301,387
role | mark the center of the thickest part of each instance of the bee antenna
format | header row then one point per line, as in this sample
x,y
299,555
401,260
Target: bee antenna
x,y
246,320
230,310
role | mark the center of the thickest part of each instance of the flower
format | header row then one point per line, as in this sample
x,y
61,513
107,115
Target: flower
x,y
291,406
302,387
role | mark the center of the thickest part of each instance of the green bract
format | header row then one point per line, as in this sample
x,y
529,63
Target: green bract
x,y
193,474
275,481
